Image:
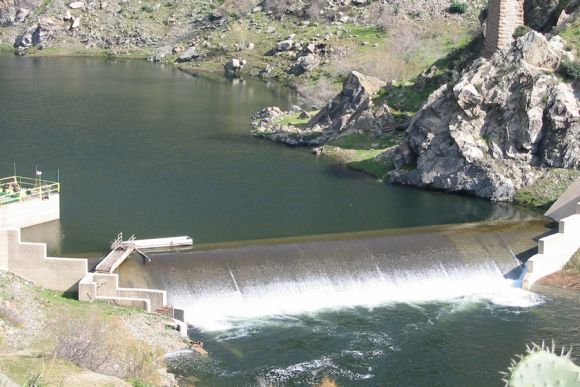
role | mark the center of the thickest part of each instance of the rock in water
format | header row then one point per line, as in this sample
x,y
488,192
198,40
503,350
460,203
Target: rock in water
x,y
234,66
503,118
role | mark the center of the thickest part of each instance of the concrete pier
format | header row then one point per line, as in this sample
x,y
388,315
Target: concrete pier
x,y
554,251
26,202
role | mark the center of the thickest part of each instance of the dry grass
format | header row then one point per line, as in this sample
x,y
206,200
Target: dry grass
x,y
406,50
237,7
317,94
327,382
105,346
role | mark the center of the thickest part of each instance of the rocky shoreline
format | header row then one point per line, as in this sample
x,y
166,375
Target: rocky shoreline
x,y
501,126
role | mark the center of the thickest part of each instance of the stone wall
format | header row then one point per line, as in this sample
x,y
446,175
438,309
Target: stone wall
x,y
504,16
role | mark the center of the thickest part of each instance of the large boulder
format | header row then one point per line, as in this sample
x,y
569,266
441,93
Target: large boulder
x,y
348,106
234,66
503,117
188,55
39,35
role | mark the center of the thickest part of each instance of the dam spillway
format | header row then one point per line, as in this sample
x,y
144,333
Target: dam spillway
x,y
218,286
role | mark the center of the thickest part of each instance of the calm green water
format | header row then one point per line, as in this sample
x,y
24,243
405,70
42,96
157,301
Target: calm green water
x,y
154,152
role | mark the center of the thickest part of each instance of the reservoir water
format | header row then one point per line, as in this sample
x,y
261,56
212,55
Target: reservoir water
x,y
151,151
154,152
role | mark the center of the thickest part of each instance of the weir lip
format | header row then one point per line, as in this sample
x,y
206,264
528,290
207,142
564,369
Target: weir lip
x,y
220,283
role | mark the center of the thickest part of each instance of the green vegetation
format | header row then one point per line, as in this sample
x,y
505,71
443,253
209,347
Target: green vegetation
x,y
546,190
406,97
365,142
294,119
571,34
570,70
82,343
458,7
364,151
521,31
542,367
574,263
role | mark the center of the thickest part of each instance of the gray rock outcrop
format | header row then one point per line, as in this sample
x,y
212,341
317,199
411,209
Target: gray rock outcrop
x,y
338,116
14,12
39,35
489,134
347,106
234,66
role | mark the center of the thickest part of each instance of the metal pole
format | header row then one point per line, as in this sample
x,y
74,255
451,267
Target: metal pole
x,y
14,164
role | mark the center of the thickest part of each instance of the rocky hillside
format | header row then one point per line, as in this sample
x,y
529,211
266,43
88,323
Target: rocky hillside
x,y
48,339
309,44
498,128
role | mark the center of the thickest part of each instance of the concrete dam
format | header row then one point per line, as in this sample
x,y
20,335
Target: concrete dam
x,y
221,285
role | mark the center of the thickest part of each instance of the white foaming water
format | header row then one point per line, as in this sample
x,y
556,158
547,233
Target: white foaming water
x,y
223,308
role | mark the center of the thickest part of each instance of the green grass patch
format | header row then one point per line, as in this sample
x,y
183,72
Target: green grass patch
x,y
366,142
372,167
359,151
545,191
36,369
574,263
571,34
293,119
369,34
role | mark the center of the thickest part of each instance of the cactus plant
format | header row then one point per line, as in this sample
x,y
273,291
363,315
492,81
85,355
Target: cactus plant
x,y
541,366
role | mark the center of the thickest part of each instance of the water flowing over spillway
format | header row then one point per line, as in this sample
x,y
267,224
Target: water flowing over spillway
x,y
223,287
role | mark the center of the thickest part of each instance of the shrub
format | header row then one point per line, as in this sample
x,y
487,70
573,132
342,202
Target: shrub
x,y
237,8
458,7
105,346
318,94
147,8
570,69
521,31
278,7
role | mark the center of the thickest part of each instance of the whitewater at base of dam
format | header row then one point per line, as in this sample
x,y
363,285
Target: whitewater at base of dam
x,y
221,287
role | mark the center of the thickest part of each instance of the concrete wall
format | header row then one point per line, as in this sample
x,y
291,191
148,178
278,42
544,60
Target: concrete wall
x,y
555,250
566,203
29,261
30,212
105,287
503,17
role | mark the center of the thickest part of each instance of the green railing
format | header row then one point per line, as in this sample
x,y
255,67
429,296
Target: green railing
x,y
16,189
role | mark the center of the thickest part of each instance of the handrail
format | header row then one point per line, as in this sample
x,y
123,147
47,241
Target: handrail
x,y
15,189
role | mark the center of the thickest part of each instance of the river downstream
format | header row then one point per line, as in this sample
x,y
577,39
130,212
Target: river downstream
x,y
151,151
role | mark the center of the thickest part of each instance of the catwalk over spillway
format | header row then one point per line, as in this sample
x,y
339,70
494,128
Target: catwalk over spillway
x,y
221,285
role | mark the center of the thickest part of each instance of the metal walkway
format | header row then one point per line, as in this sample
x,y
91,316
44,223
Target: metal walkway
x,y
121,250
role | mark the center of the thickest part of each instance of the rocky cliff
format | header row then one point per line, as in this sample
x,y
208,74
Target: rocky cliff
x,y
498,128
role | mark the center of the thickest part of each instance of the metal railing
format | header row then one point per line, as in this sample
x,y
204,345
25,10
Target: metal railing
x,y
15,189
